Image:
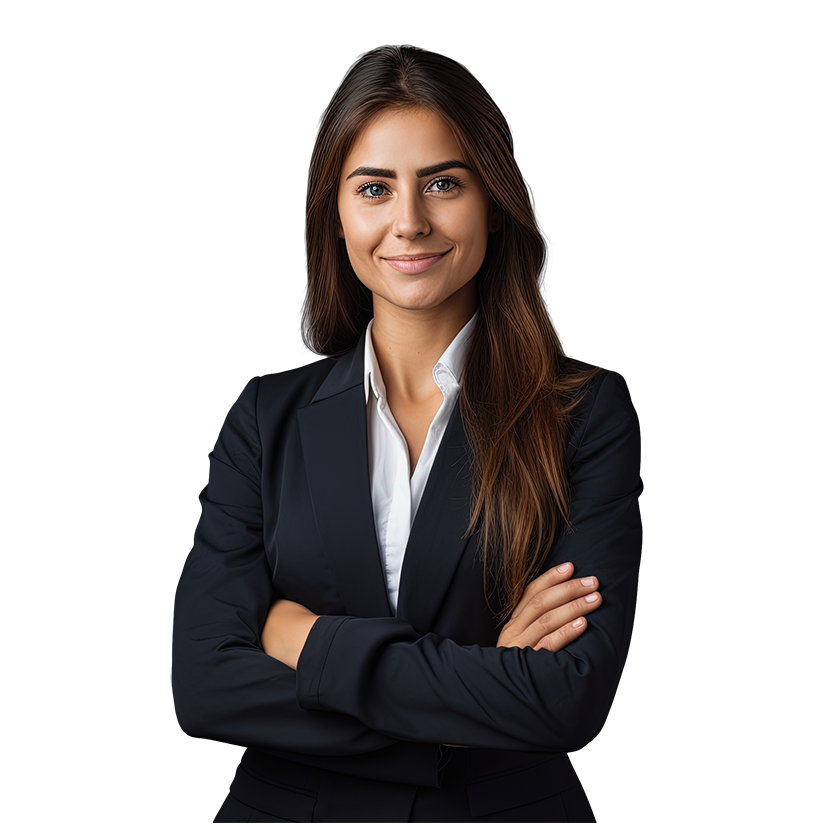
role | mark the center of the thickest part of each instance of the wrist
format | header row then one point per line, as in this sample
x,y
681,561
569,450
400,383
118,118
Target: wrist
x,y
301,635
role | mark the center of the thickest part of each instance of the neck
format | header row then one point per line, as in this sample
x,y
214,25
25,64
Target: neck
x,y
409,342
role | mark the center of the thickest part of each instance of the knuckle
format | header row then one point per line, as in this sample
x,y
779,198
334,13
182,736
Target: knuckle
x,y
534,601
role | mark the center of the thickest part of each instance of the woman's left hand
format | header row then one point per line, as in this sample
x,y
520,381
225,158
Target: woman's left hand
x,y
285,631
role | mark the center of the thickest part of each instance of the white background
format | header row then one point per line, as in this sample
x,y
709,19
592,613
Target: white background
x,y
154,161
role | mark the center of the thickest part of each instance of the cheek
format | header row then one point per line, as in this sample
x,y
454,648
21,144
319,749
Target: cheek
x,y
362,233
469,226
473,240
352,221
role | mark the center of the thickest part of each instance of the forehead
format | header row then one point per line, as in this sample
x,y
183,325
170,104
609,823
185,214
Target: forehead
x,y
401,140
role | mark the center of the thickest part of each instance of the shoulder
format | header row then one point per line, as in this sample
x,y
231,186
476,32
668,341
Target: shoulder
x,y
275,395
294,388
604,403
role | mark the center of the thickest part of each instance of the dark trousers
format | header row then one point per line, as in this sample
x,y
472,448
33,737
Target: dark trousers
x,y
266,788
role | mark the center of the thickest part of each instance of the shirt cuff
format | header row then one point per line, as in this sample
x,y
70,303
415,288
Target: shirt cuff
x,y
312,659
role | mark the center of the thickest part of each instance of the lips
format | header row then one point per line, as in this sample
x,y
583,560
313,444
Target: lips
x,y
419,264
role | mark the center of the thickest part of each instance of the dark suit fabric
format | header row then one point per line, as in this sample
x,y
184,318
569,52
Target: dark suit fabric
x,y
356,730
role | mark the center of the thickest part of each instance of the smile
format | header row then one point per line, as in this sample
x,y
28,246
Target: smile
x,y
417,265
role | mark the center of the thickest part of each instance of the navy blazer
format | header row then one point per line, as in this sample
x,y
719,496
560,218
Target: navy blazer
x,y
287,512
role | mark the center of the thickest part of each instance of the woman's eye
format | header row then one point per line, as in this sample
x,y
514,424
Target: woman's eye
x,y
444,180
370,189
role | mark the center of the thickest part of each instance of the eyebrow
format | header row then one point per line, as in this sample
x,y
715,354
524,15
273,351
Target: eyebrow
x,y
372,171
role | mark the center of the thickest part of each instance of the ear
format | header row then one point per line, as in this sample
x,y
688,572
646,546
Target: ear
x,y
495,217
340,231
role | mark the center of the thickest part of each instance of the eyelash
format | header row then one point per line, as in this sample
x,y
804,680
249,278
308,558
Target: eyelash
x,y
364,186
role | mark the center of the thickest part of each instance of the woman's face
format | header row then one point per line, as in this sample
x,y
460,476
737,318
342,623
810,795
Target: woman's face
x,y
404,191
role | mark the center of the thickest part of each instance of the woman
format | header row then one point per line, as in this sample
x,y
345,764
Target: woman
x,y
400,544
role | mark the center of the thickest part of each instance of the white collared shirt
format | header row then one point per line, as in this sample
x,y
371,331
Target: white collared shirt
x,y
396,496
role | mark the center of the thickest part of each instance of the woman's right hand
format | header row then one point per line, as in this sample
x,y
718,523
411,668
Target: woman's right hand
x,y
551,604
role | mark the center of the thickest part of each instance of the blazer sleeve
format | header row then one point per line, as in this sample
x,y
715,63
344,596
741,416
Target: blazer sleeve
x,y
225,686
429,688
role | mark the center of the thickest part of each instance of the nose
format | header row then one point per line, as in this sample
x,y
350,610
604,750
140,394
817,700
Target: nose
x,y
410,220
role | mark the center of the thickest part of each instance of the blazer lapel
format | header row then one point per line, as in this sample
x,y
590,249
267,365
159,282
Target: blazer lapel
x,y
333,433
334,440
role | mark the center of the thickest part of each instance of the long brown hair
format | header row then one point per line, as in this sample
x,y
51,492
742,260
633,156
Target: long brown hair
x,y
519,390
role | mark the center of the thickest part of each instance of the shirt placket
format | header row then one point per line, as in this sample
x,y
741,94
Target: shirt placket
x,y
400,505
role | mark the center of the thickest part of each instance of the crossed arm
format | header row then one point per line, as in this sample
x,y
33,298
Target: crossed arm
x,y
347,684
549,616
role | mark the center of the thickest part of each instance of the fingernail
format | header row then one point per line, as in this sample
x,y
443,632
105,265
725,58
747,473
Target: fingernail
x,y
587,582
577,622
563,568
593,596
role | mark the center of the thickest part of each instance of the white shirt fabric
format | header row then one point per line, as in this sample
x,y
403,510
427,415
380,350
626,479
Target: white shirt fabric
x,y
396,496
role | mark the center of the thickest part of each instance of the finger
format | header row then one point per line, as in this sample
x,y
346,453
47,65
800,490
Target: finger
x,y
549,578
551,598
555,619
557,640
550,620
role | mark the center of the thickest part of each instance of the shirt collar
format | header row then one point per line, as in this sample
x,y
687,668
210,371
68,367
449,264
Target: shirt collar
x,y
452,362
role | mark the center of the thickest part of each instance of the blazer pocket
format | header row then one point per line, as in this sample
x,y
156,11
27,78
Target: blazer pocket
x,y
279,800
523,786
